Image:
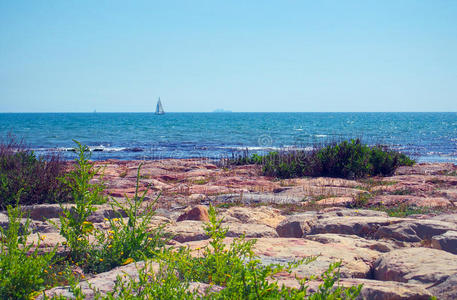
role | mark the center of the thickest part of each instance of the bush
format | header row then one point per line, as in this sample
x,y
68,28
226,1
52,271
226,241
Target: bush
x,y
348,159
37,178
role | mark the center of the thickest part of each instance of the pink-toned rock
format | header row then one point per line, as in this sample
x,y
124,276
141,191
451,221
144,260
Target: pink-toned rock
x,y
428,267
336,201
394,200
198,213
255,215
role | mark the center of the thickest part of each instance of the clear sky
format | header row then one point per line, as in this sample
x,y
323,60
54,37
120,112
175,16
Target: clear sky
x,y
119,56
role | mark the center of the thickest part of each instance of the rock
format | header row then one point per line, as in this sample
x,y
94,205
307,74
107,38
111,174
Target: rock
x,y
372,289
428,267
355,225
394,200
446,290
255,215
388,290
356,262
185,231
446,241
426,169
255,198
198,213
414,230
451,218
296,225
352,241
41,212
336,201
103,282
250,230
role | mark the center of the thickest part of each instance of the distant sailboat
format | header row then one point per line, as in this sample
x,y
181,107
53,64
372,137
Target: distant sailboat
x,y
159,108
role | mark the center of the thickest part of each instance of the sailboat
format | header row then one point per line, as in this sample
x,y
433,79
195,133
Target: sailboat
x,y
159,108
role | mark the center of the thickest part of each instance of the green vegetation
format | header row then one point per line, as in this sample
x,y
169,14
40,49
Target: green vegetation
x,y
36,178
25,272
233,267
74,226
22,269
126,240
348,159
404,210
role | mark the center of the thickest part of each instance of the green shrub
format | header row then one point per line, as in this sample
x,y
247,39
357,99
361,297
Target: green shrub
x,y
37,178
348,159
23,271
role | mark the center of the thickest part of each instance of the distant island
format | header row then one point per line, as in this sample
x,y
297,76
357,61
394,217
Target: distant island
x,y
220,110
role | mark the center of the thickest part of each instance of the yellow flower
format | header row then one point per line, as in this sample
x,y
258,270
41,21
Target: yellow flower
x,y
105,219
116,220
60,273
110,246
149,238
82,276
46,271
110,237
101,259
128,261
42,237
80,239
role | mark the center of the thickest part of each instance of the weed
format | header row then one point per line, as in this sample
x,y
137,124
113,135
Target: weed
x,y
362,199
23,271
74,225
126,240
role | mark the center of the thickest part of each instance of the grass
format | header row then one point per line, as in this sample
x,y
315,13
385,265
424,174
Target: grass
x,y
348,159
404,210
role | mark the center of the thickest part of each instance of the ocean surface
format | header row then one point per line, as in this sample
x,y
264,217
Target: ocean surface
x,y
428,137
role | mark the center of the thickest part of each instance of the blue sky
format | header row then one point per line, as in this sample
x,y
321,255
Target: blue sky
x,y
119,56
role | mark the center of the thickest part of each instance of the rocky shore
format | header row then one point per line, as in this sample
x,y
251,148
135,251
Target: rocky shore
x,y
395,235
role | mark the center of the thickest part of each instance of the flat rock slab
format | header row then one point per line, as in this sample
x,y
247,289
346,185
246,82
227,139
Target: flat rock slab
x,y
254,215
352,241
394,200
428,267
186,231
363,223
356,261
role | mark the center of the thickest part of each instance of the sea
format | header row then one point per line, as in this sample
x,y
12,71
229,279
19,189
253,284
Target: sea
x,y
427,137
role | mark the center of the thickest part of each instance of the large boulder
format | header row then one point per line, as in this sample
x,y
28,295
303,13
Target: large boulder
x,y
428,267
197,213
411,230
296,226
446,241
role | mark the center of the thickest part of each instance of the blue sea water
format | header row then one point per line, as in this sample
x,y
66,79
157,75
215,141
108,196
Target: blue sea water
x,y
426,136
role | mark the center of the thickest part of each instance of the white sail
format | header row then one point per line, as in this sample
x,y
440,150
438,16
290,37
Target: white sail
x,y
159,108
